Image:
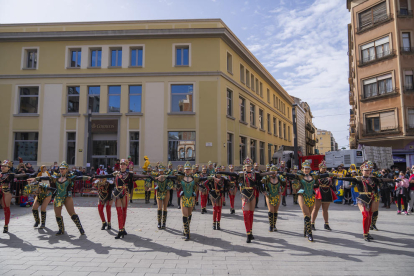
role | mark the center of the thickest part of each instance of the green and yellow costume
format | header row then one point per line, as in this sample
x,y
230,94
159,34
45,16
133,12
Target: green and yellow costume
x,y
274,190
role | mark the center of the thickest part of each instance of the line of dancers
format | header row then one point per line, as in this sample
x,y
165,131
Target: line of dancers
x,y
311,191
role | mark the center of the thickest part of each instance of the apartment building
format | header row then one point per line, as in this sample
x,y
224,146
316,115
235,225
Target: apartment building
x,y
173,90
381,65
326,141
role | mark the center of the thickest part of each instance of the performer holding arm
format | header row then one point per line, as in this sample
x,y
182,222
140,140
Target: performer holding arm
x,y
203,190
232,189
307,194
105,198
164,185
216,184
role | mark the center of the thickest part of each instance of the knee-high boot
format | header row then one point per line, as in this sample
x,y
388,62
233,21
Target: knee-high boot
x,y
36,217
76,220
164,219
251,224
374,221
6,219
274,221
219,217
214,217
61,226
125,209
43,214
108,215
308,228
186,228
120,214
270,215
101,214
159,214
246,218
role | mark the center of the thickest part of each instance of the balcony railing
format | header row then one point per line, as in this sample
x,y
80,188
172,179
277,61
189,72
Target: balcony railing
x,y
377,58
379,95
409,89
405,13
383,131
379,20
308,126
410,128
407,50
351,98
312,130
352,123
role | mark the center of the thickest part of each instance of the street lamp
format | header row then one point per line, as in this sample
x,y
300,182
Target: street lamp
x,y
89,151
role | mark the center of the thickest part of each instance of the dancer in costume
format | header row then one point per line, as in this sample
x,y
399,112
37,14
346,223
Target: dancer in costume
x,y
248,180
284,169
163,186
274,186
307,194
178,188
43,193
170,171
339,185
232,189
105,188
354,190
367,185
148,184
123,179
324,197
203,190
6,179
295,185
256,189
64,184
216,184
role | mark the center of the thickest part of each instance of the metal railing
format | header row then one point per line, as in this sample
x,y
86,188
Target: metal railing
x,y
407,50
377,57
380,94
382,131
404,13
410,128
375,22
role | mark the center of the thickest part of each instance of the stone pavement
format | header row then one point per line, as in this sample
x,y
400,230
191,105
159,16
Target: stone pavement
x,y
147,251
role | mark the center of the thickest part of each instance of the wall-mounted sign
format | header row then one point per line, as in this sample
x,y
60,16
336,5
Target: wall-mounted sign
x,y
104,126
209,144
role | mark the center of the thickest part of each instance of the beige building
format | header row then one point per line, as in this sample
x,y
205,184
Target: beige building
x,y
326,141
173,90
381,67
300,125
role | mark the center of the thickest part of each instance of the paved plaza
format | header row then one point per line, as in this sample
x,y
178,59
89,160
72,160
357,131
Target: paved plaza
x,y
148,251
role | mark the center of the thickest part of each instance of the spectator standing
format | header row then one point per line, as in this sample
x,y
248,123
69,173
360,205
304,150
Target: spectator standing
x,y
386,188
117,166
411,194
401,191
29,168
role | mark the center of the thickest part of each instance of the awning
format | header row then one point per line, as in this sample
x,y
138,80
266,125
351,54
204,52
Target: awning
x,y
398,159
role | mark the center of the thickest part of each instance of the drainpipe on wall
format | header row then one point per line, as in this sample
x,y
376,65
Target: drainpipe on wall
x,y
295,136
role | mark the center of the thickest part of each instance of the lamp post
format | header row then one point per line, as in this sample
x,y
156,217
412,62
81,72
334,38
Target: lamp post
x,y
295,135
89,150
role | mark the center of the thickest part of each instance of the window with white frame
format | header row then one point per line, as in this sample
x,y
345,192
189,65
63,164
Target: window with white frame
x,y
73,99
181,98
30,59
134,146
181,146
135,98
229,63
116,57
376,49
242,103
261,119
242,73
136,57
75,56
28,100
372,16
71,148
182,55
252,114
381,121
378,86
408,81
94,97
406,41
25,146
114,98
96,57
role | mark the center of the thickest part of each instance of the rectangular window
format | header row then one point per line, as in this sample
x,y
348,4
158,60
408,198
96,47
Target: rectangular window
x,y
247,78
262,153
75,58
252,115
28,100
96,57
289,133
406,41
252,81
378,122
378,86
404,7
181,145
274,127
242,73
135,96
134,147
137,57
181,98
284,131
229,148
114,98
25,146
229,102
410,114
376,50
242,109
229,63
261,89
261,119
257,87
71,148
182,55
268,96
243,153
269,153
288,112
373,16
408,81
73,99
116,57
94,97
274,101
253,150
268,123
31,59
280,130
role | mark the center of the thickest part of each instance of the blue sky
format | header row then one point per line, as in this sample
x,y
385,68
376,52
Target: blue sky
x,y
303,43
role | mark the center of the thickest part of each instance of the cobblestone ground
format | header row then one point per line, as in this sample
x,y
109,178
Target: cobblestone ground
x,y
148,251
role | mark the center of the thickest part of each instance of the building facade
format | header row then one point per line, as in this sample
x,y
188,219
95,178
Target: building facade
x,y
300,114
172,90
326,141
381,67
